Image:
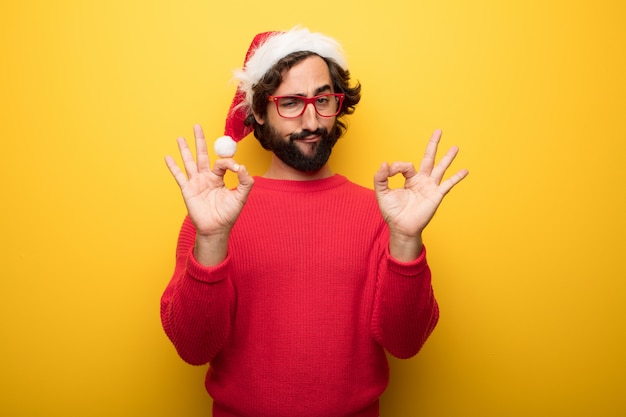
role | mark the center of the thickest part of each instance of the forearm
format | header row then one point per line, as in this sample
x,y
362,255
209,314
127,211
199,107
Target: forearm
x,y
406,311
196,305
196,316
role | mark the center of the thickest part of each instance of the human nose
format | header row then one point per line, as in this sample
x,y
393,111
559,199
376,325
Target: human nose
x,y
309,118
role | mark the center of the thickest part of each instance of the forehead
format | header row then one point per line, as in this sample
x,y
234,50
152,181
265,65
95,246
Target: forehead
x,y
305,78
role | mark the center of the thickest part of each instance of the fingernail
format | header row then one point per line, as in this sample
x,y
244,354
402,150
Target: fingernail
x,y
236,167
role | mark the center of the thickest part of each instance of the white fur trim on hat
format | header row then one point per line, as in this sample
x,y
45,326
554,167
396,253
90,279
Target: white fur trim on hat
x,y
279,46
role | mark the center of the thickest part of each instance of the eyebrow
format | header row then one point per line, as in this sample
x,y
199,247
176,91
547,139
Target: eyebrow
x,y
323,89
318,91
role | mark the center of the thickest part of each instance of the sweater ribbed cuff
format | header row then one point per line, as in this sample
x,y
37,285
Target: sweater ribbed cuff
x,y
409,269
208,274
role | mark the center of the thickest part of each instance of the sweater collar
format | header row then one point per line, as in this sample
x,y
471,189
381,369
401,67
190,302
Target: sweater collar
x,y
290,186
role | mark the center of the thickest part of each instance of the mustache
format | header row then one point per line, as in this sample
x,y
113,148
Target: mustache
x,y
306,133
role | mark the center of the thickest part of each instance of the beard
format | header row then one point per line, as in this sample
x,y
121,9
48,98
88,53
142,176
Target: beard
x,y
289,152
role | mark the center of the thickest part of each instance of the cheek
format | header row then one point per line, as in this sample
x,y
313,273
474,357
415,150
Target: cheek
x,y
283,127
329,123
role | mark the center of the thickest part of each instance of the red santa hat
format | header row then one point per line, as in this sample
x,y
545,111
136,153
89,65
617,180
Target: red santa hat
x,y
265,51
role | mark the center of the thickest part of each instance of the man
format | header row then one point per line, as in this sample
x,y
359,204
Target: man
x,y
295,283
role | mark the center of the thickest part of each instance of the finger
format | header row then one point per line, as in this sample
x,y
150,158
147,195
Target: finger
x,y
245,181
407,169
381,178
223,165
178,175
188,161
443,165
448,184
202,154
428,162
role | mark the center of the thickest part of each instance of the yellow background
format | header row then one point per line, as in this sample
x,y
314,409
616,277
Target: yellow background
x,y
527,253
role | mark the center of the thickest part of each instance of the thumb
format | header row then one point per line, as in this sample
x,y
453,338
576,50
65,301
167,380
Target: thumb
x,y
245,181
381,178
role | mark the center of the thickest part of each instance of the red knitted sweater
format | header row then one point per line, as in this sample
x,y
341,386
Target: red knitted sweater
x,y
296,320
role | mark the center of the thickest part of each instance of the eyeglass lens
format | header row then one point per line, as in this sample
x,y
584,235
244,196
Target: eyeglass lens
x,y
293,106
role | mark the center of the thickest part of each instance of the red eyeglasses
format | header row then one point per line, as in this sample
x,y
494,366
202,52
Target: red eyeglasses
x,y
292,107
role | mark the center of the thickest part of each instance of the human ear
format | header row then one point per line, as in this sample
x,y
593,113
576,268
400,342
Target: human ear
x,y
260,120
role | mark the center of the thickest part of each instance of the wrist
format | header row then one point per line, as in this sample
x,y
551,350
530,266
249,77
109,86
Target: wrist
x,y
211,249
405,248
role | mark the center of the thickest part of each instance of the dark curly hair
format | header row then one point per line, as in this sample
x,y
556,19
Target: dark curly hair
x,y
273,78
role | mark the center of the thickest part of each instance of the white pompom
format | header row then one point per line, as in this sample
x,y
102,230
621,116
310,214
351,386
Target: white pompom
x,y
225,147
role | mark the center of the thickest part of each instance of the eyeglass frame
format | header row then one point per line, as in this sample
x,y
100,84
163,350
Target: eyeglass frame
x,y
309,100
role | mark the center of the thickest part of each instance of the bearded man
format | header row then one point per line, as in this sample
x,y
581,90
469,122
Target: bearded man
x,y
296,284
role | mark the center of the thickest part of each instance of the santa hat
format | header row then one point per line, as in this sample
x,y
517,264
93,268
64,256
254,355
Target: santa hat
x,y
266,50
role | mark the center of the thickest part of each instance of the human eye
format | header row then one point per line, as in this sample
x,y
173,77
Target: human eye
x,y
289,102
323,100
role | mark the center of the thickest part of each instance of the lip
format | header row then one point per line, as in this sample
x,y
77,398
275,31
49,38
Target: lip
x,y
310,139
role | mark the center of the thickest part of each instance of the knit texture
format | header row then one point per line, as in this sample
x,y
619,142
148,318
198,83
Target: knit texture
x,y
296,320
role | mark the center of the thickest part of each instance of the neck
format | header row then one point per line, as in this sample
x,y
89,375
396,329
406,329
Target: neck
x,y
278,170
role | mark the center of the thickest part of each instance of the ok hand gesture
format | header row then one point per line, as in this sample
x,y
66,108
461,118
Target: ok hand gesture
x,y
408,210
212,208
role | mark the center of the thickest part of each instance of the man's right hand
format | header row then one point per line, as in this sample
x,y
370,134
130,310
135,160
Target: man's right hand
x,y
212,208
